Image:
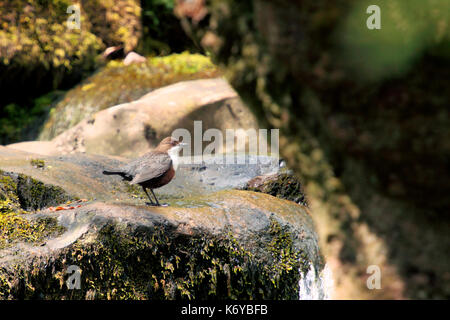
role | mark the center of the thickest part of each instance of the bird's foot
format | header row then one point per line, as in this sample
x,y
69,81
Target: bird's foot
x,y
152,204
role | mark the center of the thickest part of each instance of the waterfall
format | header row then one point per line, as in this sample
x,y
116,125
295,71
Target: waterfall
x,y
316,286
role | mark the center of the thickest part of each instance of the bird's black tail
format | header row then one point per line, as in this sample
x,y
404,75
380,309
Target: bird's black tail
x,y
112,172
119,173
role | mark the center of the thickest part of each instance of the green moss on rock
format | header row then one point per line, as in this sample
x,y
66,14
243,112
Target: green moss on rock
x,y
8,193
283,185
37,163
39,52
117,83
156,263
19,193
16,227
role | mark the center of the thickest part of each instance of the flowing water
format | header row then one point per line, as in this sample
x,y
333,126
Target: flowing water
x,y
316,285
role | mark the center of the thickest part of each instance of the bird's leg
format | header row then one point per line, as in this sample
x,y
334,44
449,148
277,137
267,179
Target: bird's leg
x,y
151,201
157,202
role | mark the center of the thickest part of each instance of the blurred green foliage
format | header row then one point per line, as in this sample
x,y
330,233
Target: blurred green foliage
x,y
153,10
363,118
34,32
115,22
162,31
18,122
408,28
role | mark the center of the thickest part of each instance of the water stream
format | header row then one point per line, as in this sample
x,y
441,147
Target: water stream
x,y
316,285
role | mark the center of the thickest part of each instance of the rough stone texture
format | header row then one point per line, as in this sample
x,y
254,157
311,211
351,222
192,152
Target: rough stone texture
x,y
371,148
37,147
206,244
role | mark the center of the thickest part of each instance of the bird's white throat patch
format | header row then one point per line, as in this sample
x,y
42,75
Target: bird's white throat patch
x,y
174,155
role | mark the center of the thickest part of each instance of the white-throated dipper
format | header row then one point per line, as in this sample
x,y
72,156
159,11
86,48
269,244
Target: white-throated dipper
x,y
154,169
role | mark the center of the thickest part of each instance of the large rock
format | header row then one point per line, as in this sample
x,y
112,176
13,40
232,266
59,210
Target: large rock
x,y
80,175
212,243
284,185
133,128
233,244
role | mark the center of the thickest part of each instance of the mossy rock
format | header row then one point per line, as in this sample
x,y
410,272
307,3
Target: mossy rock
x,y
209,243
19,193
41,53
117,83
29,193
9,201
79,176
238,245
284,185
16,228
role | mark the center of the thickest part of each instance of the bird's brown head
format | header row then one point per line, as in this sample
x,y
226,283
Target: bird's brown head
x,y
166,144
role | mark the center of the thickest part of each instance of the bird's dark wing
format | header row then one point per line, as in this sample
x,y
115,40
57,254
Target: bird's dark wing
x,y
151,166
